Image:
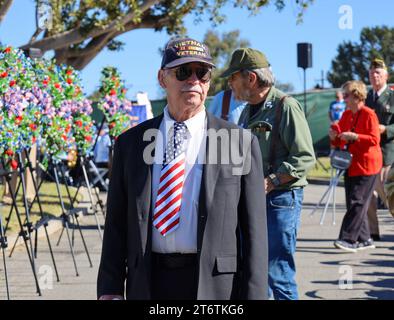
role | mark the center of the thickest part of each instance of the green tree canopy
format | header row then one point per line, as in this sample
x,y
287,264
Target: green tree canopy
x,y
221,48
78,30
353,59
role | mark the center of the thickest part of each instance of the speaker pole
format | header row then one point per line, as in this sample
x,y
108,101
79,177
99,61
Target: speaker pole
x,y
304,61
305,109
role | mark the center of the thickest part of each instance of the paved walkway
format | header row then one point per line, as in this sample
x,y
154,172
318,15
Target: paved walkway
x,y
323,271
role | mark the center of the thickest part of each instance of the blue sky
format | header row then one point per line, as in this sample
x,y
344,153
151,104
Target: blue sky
x,y
274,33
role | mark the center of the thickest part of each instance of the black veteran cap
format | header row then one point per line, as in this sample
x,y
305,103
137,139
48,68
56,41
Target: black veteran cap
x,y
181,51
246,59
378,64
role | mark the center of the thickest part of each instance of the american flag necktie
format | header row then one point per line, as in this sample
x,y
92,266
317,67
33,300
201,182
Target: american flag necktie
x,y
169,194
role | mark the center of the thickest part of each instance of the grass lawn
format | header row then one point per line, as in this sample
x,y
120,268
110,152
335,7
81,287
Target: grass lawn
x,y
49,202
322,169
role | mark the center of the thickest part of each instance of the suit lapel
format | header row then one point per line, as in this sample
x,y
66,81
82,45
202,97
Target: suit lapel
x,y
143,184
208,184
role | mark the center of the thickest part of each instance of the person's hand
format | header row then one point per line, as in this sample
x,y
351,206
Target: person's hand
x,y
348,136
111,297
332,134
268,185
382,128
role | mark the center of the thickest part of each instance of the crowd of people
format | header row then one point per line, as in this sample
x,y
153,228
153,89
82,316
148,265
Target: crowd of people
x,y
185,221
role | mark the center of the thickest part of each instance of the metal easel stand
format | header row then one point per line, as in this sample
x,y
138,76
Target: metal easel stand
x,y
329,195
44,219
25,234
66,214
83,163
88,166
3,246
93,205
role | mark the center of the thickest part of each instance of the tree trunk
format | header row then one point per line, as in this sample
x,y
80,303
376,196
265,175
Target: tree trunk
x,y
4,7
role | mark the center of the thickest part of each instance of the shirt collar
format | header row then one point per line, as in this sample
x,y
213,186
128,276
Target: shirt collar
x,y
194,124
269,100
381,90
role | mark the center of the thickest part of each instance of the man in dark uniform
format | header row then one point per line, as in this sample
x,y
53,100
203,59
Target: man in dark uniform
x,y
381,99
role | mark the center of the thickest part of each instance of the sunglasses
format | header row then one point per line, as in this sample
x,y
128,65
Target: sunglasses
x,y
183,73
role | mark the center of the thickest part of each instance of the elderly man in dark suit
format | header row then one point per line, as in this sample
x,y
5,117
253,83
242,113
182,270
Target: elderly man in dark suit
x,y
381,99
186,206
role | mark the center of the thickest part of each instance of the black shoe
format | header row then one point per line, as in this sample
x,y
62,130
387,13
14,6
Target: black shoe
x,y
375,237
381,204
365,245
345,245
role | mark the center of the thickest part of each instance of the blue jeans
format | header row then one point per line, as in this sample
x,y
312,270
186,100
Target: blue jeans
x,y
283,219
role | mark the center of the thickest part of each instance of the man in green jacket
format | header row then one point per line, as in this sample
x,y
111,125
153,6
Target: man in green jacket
x,y
287,151
381,99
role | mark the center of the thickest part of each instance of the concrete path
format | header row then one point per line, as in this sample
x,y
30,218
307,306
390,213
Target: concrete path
x,y
325,272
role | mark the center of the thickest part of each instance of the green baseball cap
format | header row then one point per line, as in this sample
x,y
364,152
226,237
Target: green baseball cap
x,y
378,64
246,58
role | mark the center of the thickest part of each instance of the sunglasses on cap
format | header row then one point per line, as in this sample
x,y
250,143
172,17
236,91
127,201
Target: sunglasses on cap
x,y
184,72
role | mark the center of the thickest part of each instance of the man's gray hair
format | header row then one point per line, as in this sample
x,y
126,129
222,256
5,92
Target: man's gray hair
x,y
265,76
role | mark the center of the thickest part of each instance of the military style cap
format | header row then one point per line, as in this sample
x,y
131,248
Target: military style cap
x,y
246,58
185,50
378,63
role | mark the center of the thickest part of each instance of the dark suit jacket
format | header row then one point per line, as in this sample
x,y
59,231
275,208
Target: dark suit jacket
x,y
384,108
232,231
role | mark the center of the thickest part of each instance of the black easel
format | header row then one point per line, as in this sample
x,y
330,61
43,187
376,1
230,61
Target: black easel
x,y
88,161
66,214
94,206
3,246
44,219
25,234
73,212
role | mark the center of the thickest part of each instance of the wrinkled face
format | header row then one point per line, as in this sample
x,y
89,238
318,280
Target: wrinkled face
x,y
378,78
187,87
239,85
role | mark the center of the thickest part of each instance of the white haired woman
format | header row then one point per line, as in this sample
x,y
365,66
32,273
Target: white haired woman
x,y
358,128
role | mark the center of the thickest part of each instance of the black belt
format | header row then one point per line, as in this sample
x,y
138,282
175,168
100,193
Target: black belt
x,y
174,260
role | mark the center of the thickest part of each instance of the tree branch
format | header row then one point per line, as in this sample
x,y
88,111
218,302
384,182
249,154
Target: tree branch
x,y
80,58
4,7
75,36
35,35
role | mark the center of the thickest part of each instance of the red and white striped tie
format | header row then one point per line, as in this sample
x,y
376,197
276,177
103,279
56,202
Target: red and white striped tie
x,y
169,195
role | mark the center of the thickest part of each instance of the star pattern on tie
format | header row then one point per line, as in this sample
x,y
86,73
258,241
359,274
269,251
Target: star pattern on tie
x,y
176,143
169,195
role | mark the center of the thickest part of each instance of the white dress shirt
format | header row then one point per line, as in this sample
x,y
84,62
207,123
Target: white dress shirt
x,y
379,93
184,238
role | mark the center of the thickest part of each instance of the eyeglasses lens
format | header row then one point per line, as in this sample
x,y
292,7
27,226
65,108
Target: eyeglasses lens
x,y
185,72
